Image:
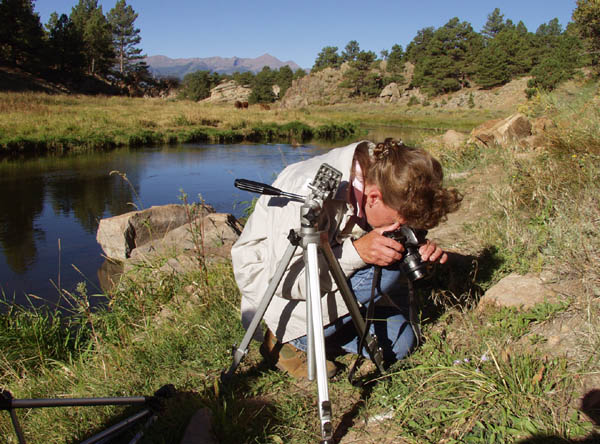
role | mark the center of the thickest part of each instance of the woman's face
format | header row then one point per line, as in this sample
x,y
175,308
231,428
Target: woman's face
x,y
379,214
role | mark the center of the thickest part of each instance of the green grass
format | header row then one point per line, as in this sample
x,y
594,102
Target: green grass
x,y
477,378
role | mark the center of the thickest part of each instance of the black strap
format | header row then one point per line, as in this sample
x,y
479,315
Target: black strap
x,y
368,322
412,316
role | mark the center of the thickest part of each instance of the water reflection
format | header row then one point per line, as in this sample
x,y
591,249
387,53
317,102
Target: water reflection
x,y
50,207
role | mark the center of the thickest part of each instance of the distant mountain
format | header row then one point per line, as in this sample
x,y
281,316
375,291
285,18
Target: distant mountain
x,y
162,66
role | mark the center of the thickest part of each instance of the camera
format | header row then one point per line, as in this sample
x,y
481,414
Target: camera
x,y
411,264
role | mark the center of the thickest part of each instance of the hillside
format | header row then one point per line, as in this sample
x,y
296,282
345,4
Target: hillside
x,y
325,88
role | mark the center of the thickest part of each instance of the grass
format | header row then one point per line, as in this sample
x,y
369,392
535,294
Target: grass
x,y
481,375
38,122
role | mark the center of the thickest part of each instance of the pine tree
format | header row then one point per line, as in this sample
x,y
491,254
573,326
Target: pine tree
x,y
448,58
359,77
125,36
66,45
493,26
351,51
586,17
90,22
328,57
262,88
415,50
21,34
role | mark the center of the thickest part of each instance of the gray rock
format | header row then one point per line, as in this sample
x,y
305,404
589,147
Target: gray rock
x,y
210,236
391,93
120,235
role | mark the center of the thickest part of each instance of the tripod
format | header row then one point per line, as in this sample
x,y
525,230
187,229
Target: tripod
x,y
152,407
311,240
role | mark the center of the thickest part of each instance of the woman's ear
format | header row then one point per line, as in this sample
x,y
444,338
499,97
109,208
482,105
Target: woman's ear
x,y
372,194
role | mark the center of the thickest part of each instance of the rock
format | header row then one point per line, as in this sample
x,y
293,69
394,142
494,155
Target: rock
x,y
119,235
391,93
209,237
228,92
510,131
518,291
199,429
318,88
541,125
453,139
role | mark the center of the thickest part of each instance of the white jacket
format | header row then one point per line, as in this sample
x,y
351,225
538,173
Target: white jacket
x,y
263,242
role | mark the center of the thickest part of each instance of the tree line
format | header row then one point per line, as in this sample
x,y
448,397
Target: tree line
x,y
85,42
453,56
263,85
106,46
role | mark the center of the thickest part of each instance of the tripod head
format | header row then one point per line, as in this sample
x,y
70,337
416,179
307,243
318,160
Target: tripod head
x,y
323,187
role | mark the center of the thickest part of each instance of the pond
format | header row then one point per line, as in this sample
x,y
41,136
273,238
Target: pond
x,y
50,207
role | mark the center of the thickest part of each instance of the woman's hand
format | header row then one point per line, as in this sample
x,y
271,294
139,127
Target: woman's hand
x,y
430,252
374,248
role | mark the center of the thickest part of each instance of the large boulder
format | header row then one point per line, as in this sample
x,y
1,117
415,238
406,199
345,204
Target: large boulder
x,y
504,132
391,93
228,92
120,235
209,236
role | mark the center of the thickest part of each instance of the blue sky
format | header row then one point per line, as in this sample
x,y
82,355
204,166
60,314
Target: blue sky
x,y
298,30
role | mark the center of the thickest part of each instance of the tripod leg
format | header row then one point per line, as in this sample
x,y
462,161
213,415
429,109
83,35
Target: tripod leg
x,y
314,301
240,352
371,344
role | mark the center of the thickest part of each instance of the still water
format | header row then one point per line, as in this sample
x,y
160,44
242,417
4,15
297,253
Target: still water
x,y
50,207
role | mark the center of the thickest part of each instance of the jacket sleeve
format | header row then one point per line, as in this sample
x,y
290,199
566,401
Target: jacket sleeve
x,y
264,240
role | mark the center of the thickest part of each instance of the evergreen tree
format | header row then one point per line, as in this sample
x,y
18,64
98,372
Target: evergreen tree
x,y
395,61
350,52
359,77
552,28
283,79
506,56
21,34
125,36
557,66
415,50
95,30
586,17
493,26
197,85
328,57
448,59
262,88
66,45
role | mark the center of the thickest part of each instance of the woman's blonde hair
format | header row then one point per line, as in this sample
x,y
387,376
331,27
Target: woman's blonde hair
x,y
410,181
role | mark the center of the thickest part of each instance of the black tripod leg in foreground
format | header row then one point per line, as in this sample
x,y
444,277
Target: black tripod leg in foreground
x,y
375,352
240,352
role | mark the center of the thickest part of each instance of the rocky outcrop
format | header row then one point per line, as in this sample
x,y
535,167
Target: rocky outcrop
x,y
228,92
320,88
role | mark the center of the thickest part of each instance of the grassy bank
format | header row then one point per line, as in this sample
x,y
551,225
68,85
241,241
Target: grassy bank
x,y
481,376
36,122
